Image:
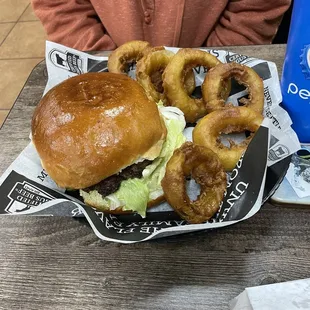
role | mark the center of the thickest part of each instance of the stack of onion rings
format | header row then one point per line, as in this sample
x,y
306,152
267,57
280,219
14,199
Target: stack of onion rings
x,y
216,79
232,119
169,77
206,170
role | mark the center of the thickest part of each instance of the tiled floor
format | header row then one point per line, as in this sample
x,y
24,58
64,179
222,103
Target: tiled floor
x,y
22,45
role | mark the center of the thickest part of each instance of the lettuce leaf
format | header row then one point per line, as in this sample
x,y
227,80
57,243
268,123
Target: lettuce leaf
x,y
134,195
155,172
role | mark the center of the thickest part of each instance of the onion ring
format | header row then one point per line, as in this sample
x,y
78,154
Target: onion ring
x,y
232,119
214,81
125,54
206,170
149,71
150,49
173,81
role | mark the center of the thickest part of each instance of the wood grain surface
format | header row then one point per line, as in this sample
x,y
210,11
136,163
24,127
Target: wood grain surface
x,y
58,263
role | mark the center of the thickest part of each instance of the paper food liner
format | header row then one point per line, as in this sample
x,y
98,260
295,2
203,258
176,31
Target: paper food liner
x,y
26,188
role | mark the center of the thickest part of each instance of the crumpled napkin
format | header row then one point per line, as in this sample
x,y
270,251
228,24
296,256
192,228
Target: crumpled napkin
x,y
292,295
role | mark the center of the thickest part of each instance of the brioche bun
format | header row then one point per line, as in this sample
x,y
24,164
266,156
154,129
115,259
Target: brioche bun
x,y
151,203
93,125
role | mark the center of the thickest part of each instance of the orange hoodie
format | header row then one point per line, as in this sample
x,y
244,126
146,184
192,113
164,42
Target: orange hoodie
x,y
106,24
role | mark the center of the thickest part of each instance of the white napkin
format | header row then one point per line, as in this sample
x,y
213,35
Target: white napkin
x,y
293,295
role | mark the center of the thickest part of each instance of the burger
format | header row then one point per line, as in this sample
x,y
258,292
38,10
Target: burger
x,y
98,133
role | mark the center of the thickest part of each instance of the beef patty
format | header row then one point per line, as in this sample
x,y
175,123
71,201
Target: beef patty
x,y
112,183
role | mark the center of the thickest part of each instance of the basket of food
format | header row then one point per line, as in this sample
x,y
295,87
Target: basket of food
x,y
153,141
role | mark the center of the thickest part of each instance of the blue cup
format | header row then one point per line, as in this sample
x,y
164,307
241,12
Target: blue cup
x,y
295,81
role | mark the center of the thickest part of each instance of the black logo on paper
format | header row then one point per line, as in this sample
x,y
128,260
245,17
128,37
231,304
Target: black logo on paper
x,y
236,58
24,196
279,152
60,61
67,61
19,193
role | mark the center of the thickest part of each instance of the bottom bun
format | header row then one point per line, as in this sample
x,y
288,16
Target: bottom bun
x,y
150,204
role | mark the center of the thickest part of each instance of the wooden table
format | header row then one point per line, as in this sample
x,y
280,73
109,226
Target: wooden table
x,y
58,263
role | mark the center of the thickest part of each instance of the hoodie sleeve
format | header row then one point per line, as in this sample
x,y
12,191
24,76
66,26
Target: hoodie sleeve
x,y
73,23
247,22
